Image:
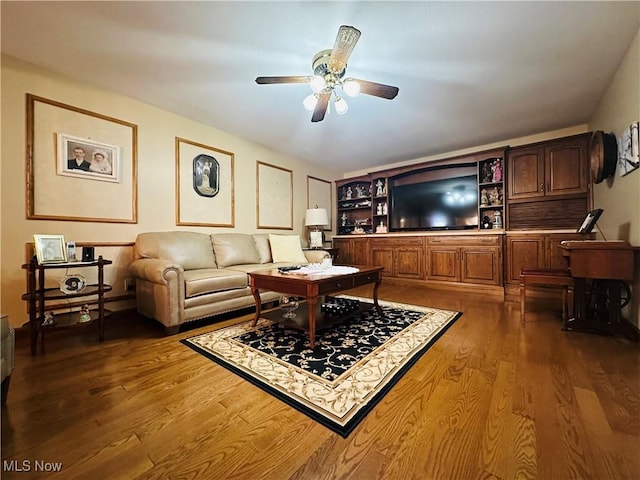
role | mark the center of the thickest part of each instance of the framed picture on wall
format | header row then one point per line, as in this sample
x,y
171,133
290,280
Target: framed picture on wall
x,y
64,142
205,193
319,195
275,196
85,158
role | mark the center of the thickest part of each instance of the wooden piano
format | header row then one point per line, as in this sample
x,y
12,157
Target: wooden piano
x,y
601,270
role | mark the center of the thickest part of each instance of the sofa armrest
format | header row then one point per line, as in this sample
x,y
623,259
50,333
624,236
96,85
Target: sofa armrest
x,y
315,256
155,270
160,290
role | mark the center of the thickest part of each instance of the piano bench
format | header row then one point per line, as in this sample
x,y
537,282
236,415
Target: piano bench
x,y
547,277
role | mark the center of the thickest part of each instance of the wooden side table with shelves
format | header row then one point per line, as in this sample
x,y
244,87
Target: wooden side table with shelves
x,y
38,295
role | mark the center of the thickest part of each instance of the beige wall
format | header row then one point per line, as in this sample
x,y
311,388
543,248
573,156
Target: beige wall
x,y
620,196
157,130
619,107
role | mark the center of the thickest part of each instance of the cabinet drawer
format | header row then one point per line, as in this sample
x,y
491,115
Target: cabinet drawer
x,y
463,240
336,285
366,279
397,242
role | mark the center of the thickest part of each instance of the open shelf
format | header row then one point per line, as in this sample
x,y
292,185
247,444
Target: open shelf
x,y
301,320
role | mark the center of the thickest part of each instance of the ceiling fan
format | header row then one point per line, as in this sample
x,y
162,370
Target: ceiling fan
x,y
329,68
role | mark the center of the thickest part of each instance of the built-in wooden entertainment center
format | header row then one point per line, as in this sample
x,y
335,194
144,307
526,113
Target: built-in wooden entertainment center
x,y
540,194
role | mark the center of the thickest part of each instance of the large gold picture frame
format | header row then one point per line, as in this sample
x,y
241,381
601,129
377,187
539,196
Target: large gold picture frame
x,y
53,193
274,191
210,205
319,195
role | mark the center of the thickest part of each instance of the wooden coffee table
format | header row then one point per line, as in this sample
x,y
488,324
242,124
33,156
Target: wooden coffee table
x,y
312,288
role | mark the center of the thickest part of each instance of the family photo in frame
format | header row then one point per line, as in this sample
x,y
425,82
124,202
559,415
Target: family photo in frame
x,y
50,249
85,158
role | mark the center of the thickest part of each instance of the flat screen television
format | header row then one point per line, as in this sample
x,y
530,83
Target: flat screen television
x,y
443,204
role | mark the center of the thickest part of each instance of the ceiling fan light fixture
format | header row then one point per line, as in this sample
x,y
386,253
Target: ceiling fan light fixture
x,y
317,83
310,102
329,70
351,87
341,105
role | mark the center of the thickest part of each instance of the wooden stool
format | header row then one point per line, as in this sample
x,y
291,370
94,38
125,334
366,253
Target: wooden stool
x,y
547,277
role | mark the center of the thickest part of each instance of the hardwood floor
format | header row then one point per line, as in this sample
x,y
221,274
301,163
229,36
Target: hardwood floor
x,y
490,399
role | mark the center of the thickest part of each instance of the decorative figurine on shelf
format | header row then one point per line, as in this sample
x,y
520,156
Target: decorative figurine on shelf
x,y
85,316
343,218
384,208
359,191
381,228
487,174
379,209
497,219
484,198
496,168
349,193
486,222
48,319
494,197
379,188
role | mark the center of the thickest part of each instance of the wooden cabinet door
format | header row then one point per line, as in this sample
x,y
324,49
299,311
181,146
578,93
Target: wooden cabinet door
x,y
360,251
481,265
444,263
408,262
524,251
344,245
525,173
554,257
383,257
566,168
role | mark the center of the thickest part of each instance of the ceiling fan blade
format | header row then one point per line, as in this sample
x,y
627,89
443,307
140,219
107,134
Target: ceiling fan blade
x,y
377,89
321,107
345,43
274,80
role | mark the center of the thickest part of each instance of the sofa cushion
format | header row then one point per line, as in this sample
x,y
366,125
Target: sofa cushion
x,y
286,248
211,280
190,250
263,246
234,249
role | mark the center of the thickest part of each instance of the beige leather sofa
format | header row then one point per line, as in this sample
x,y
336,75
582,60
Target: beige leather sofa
x,y
7,348
185,276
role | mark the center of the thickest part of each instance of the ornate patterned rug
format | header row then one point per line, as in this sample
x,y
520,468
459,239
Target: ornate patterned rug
x,y
354,364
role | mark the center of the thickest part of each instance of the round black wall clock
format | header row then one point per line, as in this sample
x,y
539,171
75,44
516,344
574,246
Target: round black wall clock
x,y
603,155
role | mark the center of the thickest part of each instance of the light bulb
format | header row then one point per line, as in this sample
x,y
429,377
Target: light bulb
x,y
317,83
310,102
351,87
341,106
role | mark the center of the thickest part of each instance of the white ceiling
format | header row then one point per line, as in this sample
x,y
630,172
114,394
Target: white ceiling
x,y
469,73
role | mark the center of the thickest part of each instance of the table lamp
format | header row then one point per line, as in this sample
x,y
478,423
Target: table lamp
x,y
315,219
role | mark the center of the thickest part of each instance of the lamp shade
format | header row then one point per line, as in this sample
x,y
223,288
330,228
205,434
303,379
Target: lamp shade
x,y
316,217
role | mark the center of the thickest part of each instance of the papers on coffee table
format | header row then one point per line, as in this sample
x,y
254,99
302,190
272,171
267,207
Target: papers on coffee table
x,y
318,269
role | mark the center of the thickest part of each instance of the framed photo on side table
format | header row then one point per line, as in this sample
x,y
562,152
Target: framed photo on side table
x,y
50,249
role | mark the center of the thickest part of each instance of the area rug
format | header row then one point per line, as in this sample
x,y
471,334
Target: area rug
x,y
354,364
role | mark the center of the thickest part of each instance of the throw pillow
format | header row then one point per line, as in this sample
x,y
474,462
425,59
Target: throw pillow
x,y
264,249
234,249
286,248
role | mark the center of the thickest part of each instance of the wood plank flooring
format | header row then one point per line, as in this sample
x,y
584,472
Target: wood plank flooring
x,y
490,399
